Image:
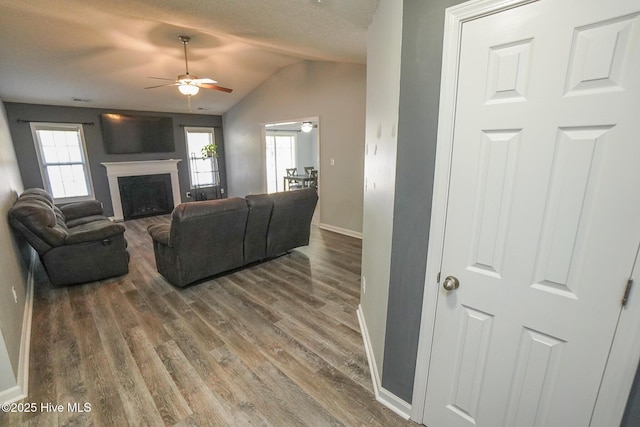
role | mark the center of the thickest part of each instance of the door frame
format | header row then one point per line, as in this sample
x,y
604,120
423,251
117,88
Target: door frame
x,y
263,157
625,349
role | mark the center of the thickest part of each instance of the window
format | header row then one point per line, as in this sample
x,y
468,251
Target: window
x,y
62,157
280,156
202,172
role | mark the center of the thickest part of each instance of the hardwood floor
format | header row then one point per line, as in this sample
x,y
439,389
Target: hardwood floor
x,y
274,344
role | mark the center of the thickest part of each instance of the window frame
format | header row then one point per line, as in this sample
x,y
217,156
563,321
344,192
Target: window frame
x,y
200,129
42,165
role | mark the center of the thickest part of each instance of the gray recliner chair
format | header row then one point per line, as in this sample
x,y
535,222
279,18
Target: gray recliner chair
x,y
76,242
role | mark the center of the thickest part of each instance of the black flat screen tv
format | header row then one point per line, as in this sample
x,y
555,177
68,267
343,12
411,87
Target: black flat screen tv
x,y
128,134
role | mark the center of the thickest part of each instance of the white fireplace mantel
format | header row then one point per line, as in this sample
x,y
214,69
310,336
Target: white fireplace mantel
x,y
145,167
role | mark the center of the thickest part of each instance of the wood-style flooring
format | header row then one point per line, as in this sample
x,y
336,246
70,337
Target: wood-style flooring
x,y
275,344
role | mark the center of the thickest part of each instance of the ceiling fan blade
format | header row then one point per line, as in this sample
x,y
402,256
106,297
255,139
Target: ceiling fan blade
x,y
160,78
215,87
201,81
168,84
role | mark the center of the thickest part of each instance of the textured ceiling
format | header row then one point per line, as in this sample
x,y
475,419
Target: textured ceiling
x,y
100,53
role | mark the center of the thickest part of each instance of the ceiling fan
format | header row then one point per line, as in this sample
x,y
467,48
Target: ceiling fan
x,y
189,84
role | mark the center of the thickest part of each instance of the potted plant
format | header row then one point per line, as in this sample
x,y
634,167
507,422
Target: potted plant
x,y
209,150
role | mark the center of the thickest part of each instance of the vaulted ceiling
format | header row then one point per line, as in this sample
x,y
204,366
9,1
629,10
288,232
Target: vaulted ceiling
x,y
101,53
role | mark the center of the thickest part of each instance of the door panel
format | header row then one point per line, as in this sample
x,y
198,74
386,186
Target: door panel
x,y
543,215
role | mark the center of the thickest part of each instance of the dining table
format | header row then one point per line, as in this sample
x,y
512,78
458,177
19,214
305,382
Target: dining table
x,y
304,179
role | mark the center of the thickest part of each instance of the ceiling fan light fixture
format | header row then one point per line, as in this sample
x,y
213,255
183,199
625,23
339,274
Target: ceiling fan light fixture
x,y
188,84
188,89
306,127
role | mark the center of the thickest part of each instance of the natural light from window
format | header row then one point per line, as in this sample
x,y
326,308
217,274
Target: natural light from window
x,y
280,156
201,170
63,163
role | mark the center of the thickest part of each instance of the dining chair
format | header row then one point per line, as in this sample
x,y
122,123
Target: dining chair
x,y
314,179
293,184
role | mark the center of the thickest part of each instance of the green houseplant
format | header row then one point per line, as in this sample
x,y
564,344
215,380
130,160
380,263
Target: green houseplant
x,y
209,150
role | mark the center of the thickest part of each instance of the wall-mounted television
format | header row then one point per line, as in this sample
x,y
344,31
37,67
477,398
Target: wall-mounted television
x,y
128,134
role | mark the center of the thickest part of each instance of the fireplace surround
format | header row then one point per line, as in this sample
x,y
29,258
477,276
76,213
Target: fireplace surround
x,y
116,170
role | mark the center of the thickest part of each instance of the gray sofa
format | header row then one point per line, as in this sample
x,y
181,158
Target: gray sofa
x,y
211,237
76,242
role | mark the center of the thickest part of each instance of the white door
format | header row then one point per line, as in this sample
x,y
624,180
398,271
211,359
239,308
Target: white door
x,y
543,216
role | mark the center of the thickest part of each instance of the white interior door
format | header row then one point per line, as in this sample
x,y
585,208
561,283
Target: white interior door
x,y
543,215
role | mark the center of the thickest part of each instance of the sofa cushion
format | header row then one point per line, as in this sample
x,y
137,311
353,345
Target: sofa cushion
x,y
37,193
80,221
88,208
93,231
39,218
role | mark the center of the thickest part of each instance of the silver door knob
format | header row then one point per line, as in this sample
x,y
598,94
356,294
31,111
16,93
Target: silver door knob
x,y
450,283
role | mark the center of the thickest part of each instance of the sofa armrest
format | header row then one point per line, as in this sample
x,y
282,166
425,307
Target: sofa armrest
x,y
81,209
160,233
93,231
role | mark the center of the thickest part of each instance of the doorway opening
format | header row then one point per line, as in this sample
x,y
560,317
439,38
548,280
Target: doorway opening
x,y
292,156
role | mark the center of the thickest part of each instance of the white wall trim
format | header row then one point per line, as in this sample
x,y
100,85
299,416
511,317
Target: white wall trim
x,y
25,341
622,364
21,389
339,230
12,394
116,170
394,403
383,396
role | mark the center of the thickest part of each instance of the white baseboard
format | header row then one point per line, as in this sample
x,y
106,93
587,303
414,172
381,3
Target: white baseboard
x,y
394,403
383,396
25,340
339,230
21,389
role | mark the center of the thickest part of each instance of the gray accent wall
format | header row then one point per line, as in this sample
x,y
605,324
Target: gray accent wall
x,y
422,37
333,92
13,266
28,162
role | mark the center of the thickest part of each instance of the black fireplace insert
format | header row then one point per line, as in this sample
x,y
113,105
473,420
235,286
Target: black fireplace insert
x,y
145,195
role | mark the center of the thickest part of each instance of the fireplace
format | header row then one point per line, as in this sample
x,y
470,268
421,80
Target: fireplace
x,y
139,169
145,195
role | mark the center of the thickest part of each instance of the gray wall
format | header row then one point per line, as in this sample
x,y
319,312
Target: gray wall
x,y
28,163
422,36
334,92
12,264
